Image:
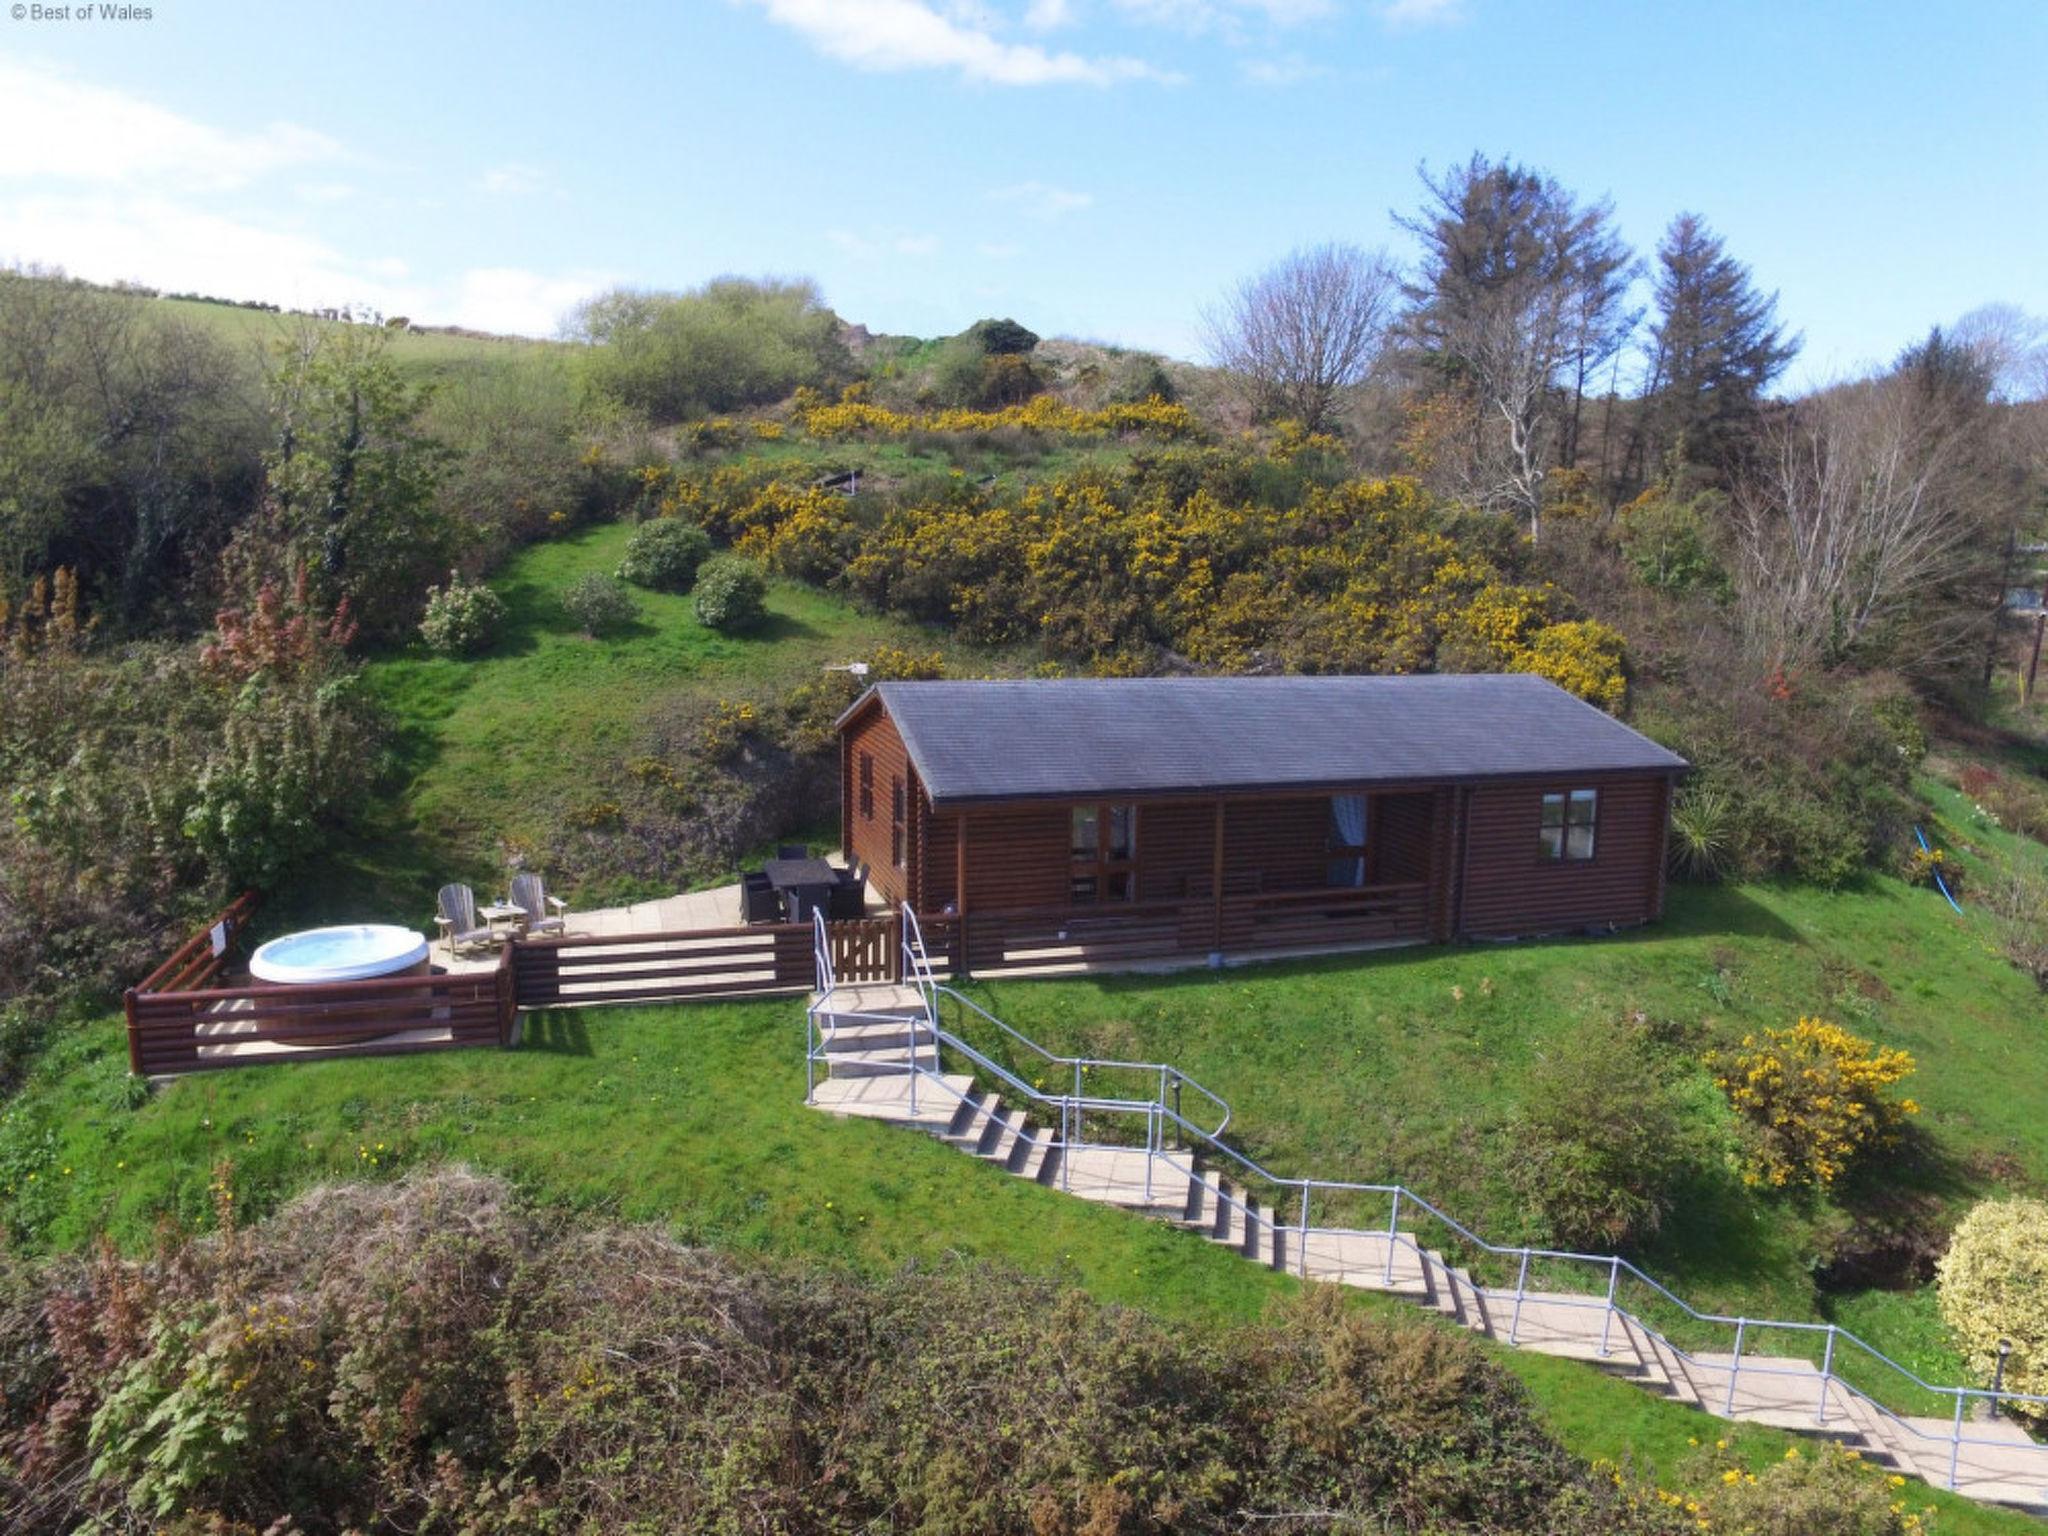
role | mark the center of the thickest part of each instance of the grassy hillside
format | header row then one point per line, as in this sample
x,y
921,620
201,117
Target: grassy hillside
x,y
1404,1064
426,351
691,1118
502,751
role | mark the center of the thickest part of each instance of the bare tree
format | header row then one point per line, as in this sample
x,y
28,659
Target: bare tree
x,y
1521,288
1858,531
1304,331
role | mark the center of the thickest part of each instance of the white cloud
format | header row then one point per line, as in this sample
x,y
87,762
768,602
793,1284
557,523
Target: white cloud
x,y
1422,13
110,187
516,300
909,34
1048,15
1227,17
512,181
54,127
999,250
1038,200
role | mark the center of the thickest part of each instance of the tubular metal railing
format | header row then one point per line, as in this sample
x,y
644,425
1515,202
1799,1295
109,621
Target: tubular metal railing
x,y
1603,1282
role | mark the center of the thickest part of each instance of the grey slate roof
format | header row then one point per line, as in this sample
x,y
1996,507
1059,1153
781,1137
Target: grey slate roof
x,y
1080,737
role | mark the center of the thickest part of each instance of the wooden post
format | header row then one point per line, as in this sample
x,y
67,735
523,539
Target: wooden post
x,y
1216,876
134,1036
2033,660
960,893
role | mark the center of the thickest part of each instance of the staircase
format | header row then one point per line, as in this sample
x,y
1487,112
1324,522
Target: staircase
x,y
882,1051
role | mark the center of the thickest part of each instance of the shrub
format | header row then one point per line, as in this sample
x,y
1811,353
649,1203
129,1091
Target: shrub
x,y
1703,830
598,603
424,1355
999,338
732,596
462,617
1590,1174
1816,1097
664,554
1991,1284
1821,1491
1931,866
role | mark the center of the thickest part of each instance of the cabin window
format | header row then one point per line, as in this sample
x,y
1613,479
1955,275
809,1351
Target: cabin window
x,y
1102,843
1347,840
1569,818
896,809
867,786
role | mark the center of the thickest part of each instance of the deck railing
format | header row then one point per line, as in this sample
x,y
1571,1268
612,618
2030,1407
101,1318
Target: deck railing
x,y
1822,1370
189,1031
1139,932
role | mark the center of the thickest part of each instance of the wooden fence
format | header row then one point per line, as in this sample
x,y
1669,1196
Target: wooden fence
x,y
762,960
189,1031
1137,933
199,959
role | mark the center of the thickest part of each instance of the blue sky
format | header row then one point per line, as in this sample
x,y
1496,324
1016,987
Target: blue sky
x,y
1101,168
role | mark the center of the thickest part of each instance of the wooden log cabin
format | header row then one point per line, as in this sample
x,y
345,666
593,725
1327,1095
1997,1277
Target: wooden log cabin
x,y
1048,823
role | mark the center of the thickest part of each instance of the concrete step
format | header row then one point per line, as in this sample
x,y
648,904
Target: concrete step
x,y
889,1036
889,1098
976,1121
1127,1176
890,1063
870,999
1998,1462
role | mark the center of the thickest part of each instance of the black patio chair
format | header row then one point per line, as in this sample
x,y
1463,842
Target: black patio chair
x,y
793,851
759,901
849,895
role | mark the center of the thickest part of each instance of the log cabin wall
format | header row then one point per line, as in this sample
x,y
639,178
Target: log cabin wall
x,y
872,760
1400,842
1507,889
1275,844
1176,849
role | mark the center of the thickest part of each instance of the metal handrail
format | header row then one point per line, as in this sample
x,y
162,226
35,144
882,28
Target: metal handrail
x,y
1072,1108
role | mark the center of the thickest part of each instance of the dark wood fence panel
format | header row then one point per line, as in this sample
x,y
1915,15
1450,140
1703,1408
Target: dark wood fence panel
x,y
582,971
1137,933
199,959
191,1031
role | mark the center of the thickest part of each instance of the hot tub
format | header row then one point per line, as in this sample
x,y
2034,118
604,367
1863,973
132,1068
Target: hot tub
x,y
350,952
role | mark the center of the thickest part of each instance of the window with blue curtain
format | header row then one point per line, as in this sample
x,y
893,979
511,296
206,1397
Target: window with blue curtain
x,y
1347,839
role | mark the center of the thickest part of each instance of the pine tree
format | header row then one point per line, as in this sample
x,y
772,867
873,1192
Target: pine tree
x,y
1716,345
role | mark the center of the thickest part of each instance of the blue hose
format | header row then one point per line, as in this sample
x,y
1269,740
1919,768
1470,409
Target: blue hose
x,y
1943,884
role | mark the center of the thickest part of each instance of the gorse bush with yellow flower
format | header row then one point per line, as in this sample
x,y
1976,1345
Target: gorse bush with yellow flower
x,y
853,416
1228,556
1816,1097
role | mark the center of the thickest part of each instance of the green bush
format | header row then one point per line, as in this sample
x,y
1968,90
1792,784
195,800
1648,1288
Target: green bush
x,y
425,1355
664,554
1600,1140
599,603
1002,338
462,617
732,595
722,347
1994,1286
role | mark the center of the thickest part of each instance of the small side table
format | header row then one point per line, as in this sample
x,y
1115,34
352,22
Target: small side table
x,y
502,912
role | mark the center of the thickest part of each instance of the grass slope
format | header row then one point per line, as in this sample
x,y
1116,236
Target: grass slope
x,y
497,750
1406,1065
691,1118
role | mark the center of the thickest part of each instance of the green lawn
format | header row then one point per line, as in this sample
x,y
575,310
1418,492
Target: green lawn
x,y
499,752
1405,1066
691,1118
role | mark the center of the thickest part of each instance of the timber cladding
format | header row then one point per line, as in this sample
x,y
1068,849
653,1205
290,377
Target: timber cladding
x,y
1506,887
872,763
1238,840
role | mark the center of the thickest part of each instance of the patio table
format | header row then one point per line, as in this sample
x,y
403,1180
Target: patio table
x,y
802,884
502,912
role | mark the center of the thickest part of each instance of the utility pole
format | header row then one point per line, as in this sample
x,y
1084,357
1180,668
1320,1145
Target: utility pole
x,y
2034,659
2012,543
